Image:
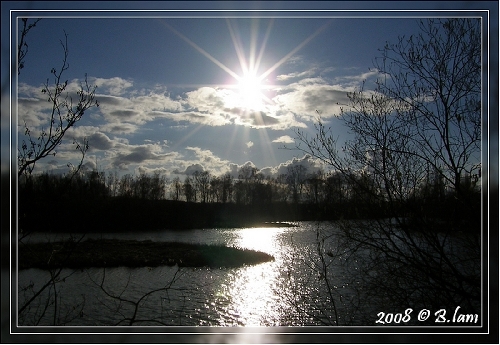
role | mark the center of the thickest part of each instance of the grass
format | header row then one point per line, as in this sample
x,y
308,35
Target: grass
x,y
132,253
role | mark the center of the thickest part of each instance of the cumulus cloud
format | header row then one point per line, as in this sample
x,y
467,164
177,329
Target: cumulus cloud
x,y
311,90
297,75
135,154
119,128
150,171
305,97
33,106
193,117
310,164
100,141
89,165
354,81
121,105
191,170
205,160
285,139
33,112
114,86
206,99
257,119
202,106
260,119
234,169
125,108
97,139
112,102
210,161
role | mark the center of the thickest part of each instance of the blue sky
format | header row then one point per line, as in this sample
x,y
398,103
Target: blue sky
x,y
170,84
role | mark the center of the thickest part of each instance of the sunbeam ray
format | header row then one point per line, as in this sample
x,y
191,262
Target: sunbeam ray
x,y
202,51
249,85
263,46
296,49
187,136
239,48
266,148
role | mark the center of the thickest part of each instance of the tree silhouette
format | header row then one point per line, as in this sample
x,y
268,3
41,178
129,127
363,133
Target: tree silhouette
x,y
423,116
435,77
67,108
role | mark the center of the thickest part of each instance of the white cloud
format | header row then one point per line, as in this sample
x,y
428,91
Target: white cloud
x,y
193,117
354,81
119,128
124,109
307,96
234,169
150,171
191,170
114,86
206,99
100,141
285,139
207,159
310,164
136,154
297,75
136,110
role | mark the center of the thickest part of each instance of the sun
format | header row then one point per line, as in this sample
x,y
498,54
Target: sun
x,y
250,91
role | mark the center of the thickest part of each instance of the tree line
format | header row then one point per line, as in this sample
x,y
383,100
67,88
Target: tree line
x,y
317,195
250,187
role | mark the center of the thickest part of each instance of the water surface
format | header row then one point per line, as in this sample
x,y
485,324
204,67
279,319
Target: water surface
x,y
267,294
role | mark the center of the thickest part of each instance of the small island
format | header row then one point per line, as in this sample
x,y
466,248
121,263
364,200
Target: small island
x,y
275,225
132,253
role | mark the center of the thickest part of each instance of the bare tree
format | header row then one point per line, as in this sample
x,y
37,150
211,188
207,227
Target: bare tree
x,y
296,178
65,111
227,188
202,184
38,302
37,144
422,116
149,187
127,309
176,189
22,48
435,77
335,302
246,179
189,190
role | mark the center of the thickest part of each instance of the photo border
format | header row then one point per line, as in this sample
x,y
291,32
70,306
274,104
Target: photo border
x,y
308,334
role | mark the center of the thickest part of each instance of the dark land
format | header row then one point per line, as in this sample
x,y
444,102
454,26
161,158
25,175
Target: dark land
x,y
122,214
131,253
51,204
87,203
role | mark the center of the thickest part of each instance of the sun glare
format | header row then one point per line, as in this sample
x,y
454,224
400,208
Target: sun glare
x,y
250,91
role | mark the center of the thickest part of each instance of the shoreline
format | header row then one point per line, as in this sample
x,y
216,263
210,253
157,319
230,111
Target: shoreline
x,y
133,253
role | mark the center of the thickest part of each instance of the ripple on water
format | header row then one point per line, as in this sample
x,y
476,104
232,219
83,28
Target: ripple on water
x,y
258,295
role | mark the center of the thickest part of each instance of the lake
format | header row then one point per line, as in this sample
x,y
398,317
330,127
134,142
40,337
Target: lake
x,y
269,294
289,291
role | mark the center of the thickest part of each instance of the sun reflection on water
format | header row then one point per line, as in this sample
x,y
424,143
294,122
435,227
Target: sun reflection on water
x,y
254,301
262,239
